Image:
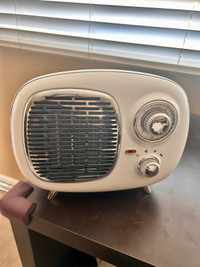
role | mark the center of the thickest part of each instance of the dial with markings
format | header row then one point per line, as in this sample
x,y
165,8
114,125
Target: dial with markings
x,y
155,121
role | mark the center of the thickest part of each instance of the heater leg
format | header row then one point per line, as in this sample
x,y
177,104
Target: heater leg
x,y
147,189
52,195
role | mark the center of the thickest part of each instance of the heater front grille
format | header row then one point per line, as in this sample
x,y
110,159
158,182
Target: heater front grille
x,y
71,136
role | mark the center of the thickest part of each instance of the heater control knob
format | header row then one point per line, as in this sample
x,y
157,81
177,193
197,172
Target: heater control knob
x,y
155,121
158,123
149,167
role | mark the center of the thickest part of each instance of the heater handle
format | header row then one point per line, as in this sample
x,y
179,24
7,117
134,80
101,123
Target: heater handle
x,y
15,206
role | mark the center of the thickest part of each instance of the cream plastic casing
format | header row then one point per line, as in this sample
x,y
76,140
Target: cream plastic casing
x,y
131,91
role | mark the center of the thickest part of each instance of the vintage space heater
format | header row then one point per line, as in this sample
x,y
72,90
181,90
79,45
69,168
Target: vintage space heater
x,y
98,130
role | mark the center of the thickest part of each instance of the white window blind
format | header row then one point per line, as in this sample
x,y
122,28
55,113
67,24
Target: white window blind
x,y
164,31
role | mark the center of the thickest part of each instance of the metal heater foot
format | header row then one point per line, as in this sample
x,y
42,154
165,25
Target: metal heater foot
x,y
52,195
147,189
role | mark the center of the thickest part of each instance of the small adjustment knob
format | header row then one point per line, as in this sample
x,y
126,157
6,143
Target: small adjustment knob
x,y
158,123
149,167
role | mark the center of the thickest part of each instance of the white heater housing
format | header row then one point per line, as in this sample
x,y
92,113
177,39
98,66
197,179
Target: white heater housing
x,y
98,130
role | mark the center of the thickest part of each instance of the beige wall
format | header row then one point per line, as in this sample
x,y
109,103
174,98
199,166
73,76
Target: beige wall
x,y
17,67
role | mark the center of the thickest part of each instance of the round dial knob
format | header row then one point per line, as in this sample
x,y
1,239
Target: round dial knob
x,y
149,167
157,123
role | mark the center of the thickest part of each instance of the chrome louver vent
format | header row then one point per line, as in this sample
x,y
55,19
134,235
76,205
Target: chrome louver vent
x,y
72,135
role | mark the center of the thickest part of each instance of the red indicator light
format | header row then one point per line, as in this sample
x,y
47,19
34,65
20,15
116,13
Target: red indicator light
x,y
130,151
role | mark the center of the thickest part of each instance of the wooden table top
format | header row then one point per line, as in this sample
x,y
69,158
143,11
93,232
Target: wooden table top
x,y
161,229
